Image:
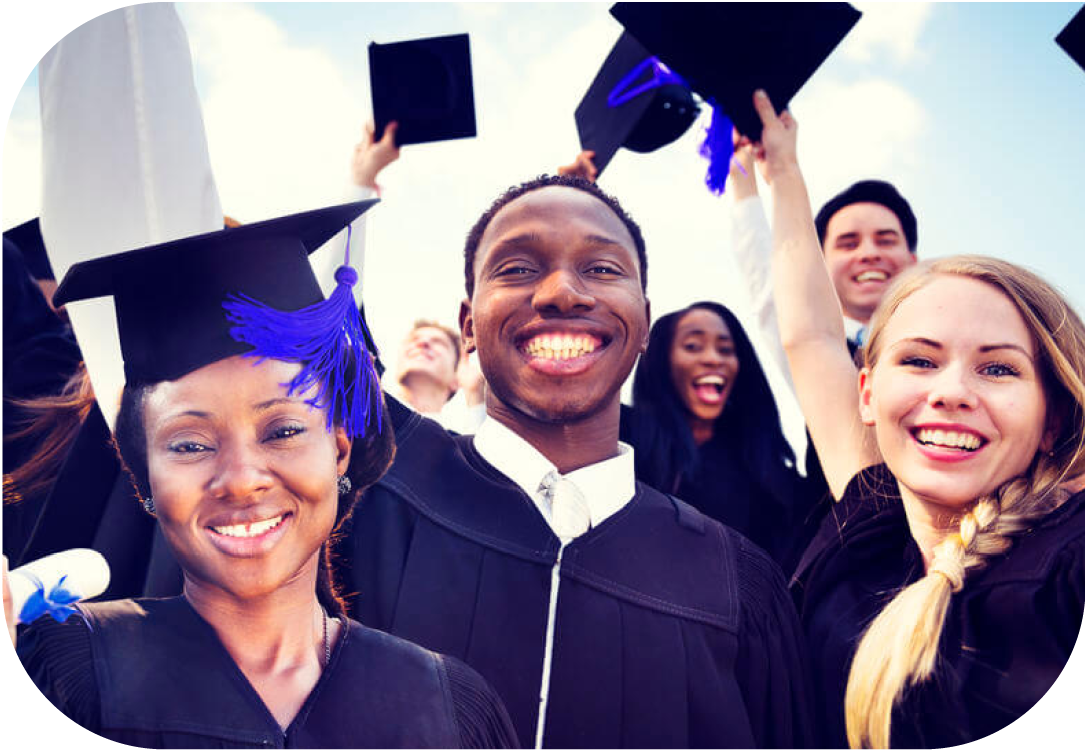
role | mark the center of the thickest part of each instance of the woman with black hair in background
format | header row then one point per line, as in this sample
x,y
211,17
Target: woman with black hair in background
x,y
704,427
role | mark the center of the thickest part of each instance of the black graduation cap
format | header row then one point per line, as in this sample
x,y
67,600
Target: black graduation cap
x,y
632,104
169,297
726,51
1072,38
27,237
425,85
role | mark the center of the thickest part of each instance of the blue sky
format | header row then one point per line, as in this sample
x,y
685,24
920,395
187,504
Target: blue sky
x,y
971,109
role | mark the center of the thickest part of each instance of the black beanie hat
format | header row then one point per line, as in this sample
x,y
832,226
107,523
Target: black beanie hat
x,y
871,191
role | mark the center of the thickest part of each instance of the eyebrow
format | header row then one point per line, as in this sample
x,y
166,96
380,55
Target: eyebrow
x,y
984,349
265,405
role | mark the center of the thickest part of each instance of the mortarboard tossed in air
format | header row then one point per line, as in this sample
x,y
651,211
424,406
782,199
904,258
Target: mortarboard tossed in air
x,y
634,102
1072,38
249,290
27,237
726,51
425,85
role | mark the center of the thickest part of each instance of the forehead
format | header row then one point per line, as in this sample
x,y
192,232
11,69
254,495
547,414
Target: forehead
x,y
431,333
959,312
859,217
701,321
239,378
554,212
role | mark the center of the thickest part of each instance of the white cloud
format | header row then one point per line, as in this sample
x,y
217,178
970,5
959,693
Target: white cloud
x,y
852,131
281,119
21,171
887,29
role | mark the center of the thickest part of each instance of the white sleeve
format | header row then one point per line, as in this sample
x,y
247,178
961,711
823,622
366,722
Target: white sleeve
x,y
751,243
330,255
124,158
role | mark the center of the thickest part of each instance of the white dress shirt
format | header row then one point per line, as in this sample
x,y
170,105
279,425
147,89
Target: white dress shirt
x,y
607,485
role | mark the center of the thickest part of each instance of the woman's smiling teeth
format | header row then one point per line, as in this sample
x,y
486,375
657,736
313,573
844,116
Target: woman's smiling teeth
x,y
561,346
248,530
949,439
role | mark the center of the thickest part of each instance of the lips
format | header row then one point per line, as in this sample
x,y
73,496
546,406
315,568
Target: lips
x,y
948,442
709,388
561,346
871,275
246,537
249,530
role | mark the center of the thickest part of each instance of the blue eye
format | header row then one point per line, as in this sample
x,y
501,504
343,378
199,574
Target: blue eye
x,y
998,369
920,362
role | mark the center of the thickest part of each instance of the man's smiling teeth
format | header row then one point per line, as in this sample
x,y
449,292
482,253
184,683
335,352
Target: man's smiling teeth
x,y
560,346
948,439
249,529
872,276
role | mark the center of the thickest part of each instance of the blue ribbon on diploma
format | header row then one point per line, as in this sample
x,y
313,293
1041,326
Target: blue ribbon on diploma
x,y
57,602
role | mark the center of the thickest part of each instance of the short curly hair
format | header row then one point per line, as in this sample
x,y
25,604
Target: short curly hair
x,y
474,237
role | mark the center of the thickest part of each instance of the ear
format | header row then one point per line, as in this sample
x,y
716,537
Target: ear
x,y
467,327
866,399
647,324
1051,430
342,450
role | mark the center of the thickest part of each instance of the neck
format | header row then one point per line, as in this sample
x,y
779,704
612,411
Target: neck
x,y
928,522
424,393
702,429
569,444
266,634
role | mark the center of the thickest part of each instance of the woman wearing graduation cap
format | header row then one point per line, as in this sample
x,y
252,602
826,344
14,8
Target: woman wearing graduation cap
x,y
250,422
943,595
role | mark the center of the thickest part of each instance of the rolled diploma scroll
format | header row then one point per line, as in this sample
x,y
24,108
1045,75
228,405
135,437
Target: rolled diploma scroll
x,y
86,570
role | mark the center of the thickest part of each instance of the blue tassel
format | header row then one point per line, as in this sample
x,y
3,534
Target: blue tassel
x,y
324,338
718,148
56,603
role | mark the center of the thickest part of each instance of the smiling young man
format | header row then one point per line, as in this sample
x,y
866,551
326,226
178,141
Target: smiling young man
x,y
868,235
604,613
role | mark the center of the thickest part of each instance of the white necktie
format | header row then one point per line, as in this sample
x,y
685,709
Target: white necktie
x,y
569,514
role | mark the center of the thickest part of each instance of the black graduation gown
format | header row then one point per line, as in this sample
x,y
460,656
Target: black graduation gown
x,y
1008,633
671,630
152,673
40,355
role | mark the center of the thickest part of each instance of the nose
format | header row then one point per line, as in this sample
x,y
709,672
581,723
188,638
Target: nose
x,y
710,356
950,389
562,291
242,474
869,252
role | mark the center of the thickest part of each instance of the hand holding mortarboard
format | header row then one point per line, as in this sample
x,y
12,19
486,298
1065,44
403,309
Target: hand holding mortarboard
x,y
583,166
777,150
372,156
425,85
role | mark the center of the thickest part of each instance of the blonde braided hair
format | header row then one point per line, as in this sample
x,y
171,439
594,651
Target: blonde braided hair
x,y
900,647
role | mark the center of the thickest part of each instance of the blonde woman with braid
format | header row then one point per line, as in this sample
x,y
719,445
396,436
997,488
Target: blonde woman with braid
x,y
944,594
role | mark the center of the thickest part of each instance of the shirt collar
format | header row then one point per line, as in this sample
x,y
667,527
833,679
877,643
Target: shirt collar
x,y
607,485
851,327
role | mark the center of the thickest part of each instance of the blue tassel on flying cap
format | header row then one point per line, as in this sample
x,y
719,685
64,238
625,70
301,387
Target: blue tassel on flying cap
x,y
324,338
718,148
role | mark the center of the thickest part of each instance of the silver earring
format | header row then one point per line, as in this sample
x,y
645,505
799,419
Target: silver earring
x,y
344,484
148,504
